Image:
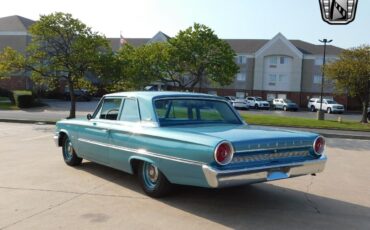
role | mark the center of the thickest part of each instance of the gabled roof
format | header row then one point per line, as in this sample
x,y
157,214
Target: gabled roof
x,y
309,48
15,23
245,46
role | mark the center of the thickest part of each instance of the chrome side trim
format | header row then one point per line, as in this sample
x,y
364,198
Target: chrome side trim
x,y
224,178
143,152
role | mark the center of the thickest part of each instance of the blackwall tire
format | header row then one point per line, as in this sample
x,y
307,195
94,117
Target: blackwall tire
x,y
153,181
69,155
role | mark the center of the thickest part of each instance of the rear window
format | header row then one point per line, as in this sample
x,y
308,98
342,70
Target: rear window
x,y
194,111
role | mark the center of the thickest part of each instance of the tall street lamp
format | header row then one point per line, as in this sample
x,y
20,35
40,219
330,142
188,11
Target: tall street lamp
x,y
320,113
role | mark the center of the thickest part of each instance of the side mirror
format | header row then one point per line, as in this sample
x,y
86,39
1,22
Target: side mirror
x,y
89,116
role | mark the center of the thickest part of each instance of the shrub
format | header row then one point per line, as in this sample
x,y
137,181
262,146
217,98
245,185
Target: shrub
x,y
24,101
8,94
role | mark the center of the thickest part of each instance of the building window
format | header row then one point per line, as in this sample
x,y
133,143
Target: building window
x,y
281,77
241,76
240,95
318,61
272,80
282,60
273,61
241,59
272,77
317,79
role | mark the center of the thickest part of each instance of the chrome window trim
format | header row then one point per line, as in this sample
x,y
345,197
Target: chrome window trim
x,y
143,152
196,98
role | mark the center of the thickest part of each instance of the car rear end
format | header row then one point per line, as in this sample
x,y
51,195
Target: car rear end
x,y
253,162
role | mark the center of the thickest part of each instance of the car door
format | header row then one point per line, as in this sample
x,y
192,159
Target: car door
x,y
94,142
278,103
125,138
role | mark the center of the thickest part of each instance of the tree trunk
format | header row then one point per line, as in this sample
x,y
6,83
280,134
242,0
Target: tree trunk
x,y
72,111
364,111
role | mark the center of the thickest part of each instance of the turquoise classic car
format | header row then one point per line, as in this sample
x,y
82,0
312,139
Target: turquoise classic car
x,y
169,138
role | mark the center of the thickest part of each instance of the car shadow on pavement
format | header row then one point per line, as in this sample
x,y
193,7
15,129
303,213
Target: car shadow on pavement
x,y
261,206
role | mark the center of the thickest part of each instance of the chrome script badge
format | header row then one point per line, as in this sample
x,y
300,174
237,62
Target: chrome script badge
x,y
338,12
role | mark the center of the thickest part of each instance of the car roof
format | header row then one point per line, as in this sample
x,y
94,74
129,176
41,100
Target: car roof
x,y
149,95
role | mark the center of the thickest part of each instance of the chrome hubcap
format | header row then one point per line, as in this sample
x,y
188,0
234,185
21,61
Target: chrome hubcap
x,y
152,173
69,148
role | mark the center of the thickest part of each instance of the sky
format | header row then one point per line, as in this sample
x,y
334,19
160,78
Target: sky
x,y
239,19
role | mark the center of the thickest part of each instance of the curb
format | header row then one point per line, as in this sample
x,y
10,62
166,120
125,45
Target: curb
x,y
328,135
344,136
27,121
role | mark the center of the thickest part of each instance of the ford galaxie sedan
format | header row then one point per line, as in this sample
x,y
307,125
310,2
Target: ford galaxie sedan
x,y
171,138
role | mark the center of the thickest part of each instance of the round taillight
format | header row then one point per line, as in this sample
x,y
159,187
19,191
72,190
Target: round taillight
x,y
319,145
224,153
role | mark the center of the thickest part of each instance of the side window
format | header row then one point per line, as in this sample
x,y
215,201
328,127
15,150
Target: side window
x,y
110,109
130,111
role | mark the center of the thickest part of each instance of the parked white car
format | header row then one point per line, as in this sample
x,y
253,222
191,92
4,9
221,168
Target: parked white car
x,y
237,103
257,103
328,105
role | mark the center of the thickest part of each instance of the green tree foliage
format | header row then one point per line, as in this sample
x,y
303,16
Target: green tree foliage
x,y
202,55
194,57
351,73
10,62
62,47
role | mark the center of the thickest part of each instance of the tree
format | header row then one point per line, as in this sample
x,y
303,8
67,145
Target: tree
x,y
351,73
62,47
202,55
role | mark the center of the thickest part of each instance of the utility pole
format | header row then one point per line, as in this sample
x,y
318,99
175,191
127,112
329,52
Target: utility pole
x,y
320,113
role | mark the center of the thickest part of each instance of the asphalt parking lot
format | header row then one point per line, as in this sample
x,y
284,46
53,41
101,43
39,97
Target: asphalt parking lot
x,y
38,191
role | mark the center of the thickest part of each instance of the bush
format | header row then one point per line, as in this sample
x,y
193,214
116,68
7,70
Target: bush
x,y
8,94
24,101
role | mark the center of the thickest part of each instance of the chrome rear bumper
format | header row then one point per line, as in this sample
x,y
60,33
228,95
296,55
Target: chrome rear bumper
x,y
224,178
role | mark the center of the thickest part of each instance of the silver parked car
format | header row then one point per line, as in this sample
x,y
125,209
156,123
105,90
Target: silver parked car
x,y
237,103
257,103
284,104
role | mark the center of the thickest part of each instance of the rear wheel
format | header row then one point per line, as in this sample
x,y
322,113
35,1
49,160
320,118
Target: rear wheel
x,y
153,181
69,154
313,108
256,106
285,108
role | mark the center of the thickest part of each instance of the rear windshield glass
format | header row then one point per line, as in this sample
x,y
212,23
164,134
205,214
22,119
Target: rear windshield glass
x,y
194,111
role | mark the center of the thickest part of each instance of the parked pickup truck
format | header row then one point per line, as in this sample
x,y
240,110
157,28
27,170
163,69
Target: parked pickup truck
x,y
328,105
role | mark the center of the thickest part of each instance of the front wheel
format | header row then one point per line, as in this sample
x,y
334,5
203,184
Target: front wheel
x,y
313,108
328,110
69,154
152,180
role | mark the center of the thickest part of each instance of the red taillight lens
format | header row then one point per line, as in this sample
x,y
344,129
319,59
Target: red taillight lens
x,y
319,145
224,153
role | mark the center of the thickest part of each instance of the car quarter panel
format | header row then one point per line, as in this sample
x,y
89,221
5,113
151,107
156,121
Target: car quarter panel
x,y
179,157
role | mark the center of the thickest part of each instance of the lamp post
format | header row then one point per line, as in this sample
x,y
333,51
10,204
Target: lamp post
x,y
320,113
